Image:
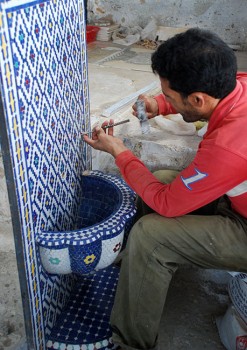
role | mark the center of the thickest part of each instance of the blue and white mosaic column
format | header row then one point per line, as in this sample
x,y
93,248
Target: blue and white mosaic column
x,y
70,226
44,90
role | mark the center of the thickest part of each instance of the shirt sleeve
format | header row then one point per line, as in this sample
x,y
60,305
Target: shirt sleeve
x,y
197,185
165,107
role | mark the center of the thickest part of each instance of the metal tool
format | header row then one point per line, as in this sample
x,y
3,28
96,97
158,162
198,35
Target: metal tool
x,y
142,116
107,126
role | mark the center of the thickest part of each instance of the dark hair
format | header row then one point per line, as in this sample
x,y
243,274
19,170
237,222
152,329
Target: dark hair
x,y
196,60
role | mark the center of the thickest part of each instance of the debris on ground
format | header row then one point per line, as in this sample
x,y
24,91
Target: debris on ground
x,y
148,44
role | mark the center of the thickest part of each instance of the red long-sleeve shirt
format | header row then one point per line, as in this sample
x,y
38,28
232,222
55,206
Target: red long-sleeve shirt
x,y
219,167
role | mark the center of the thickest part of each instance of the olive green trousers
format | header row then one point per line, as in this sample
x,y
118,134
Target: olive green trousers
x,y
156,247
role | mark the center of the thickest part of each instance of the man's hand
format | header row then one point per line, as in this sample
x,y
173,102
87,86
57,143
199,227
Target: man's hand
x,y
151,105
103,140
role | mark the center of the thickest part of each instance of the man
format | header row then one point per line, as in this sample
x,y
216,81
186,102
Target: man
x,y
198,216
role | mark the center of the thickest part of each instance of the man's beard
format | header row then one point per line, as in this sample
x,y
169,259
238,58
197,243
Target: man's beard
x,y
191,117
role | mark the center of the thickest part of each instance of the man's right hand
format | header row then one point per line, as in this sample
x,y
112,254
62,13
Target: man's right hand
x,y
151,104
103,140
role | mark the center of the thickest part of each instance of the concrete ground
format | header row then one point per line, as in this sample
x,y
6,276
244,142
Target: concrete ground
x,y
195,296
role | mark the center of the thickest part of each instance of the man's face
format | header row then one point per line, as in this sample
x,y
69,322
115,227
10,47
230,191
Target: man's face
x,y
181,104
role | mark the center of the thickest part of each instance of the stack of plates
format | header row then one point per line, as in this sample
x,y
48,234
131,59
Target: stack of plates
x,y
105,32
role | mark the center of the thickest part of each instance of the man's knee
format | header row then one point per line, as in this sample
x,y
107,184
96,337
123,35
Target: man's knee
x,y
140,235
149,230
156,229
153,235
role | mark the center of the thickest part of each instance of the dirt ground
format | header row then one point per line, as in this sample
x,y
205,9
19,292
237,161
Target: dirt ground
x,y
195,298
11,316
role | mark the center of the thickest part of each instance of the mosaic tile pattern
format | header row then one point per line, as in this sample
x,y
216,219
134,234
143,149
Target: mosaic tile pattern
x,y
45,97
43,67
84,323
238,293
107,206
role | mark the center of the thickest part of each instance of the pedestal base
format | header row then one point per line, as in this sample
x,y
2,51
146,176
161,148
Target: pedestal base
x,y
84,323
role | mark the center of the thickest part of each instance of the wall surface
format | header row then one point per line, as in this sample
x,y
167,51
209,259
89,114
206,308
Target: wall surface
x,y
228,18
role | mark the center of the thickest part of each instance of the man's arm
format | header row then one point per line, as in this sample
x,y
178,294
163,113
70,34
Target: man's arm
x,y
197,185
164,107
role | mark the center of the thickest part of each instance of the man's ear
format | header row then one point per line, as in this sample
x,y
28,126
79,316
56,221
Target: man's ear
x,y
197,99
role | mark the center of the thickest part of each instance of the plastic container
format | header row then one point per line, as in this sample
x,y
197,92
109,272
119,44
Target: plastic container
x,y
91,33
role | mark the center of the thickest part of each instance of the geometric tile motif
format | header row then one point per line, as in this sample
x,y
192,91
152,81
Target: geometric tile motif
x,y
100,228
56,261
93,204
110,250
84,323
56,291
105,344
237,289
85,258
45,97
241,275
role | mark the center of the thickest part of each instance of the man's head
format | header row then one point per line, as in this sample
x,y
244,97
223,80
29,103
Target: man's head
x,y
197,65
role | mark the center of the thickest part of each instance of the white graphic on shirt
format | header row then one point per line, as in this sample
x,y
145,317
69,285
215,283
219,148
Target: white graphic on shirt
x,y
190,180
238,190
